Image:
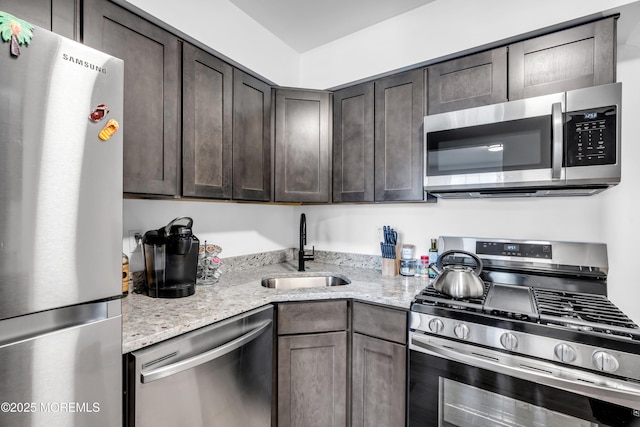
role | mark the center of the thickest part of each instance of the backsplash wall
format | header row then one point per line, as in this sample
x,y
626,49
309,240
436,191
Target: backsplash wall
x,y
239,228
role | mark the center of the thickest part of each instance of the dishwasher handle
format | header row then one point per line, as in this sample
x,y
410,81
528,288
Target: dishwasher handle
x,y
205,357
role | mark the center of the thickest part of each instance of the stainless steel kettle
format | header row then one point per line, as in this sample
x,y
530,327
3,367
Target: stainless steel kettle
x,y
458,280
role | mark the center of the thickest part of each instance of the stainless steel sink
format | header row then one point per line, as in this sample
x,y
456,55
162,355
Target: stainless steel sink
x,y
296,282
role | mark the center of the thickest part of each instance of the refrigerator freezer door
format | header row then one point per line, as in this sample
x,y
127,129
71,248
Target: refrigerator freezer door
x,y
65,377
60,184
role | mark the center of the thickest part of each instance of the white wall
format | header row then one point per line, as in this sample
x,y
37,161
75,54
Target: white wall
x,y
621,205
225,28
437,29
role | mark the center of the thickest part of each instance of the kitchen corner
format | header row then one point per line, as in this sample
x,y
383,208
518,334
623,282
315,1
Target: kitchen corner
x,y
147,321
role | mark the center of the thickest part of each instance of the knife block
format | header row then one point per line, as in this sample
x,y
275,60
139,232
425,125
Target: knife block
x,y
391,266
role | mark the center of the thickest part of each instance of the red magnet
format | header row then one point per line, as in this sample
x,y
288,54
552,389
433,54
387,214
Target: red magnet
x,y
98,113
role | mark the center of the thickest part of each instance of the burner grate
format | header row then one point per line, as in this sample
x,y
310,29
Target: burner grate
x,y
430,296
589,312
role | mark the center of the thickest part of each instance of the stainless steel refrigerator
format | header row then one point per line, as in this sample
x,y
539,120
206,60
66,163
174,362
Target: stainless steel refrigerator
x,y
61,117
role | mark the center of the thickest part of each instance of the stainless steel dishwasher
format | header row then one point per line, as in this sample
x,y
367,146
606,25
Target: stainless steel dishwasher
x,y
219,375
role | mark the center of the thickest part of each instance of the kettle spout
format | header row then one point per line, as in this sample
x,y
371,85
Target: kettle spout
x,y
434,267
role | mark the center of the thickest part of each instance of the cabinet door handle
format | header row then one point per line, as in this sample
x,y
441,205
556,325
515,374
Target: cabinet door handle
x,y
205,357
557,140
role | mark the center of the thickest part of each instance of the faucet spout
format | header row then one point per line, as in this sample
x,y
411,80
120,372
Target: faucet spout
x,y
302,256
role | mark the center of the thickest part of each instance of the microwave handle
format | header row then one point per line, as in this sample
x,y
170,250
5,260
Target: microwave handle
x,y
557,139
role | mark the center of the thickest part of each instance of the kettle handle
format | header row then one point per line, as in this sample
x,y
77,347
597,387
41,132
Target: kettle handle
x,y
477,269
167,228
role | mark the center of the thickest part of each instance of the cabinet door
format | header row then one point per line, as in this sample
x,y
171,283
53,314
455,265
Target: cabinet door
x,y
399,117
353,126
312,380
302,146
59,16
570,59
466,82
206,124
251,138
152,94
379,389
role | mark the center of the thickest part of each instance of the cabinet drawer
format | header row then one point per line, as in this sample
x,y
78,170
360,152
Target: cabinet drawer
x,y
386,323
310,317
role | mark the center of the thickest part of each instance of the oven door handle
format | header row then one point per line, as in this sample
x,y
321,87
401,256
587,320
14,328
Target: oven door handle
x,y
557,139
580,382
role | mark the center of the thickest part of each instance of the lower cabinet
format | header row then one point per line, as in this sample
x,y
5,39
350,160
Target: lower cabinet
x,y
332,372
378,366
312,380
312,364
378,382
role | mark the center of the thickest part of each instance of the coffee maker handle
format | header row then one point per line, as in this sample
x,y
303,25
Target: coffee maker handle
x,y
167,228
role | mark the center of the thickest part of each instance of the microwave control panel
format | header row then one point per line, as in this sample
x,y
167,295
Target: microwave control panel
x,y
591,137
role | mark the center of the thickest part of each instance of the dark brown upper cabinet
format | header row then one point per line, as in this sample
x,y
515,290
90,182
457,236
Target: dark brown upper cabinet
x,y
399,116
207,85
152,62
251,138
60,16
353,144
578,57
466,82
302,146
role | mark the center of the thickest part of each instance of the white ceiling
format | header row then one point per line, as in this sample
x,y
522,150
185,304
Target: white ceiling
x,y
307,24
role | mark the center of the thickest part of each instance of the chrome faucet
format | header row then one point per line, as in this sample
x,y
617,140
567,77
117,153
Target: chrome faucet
x,y
302,257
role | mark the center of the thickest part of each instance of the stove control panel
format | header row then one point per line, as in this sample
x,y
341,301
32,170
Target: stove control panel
x,y
522,250
542,347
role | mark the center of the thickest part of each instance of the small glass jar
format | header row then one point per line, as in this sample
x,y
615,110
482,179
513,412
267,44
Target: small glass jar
x,y
408,267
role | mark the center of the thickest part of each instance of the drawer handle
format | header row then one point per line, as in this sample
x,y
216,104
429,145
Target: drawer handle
x,y
205,357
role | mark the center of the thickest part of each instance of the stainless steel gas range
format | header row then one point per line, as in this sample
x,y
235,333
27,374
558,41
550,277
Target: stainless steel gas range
x,y
543,346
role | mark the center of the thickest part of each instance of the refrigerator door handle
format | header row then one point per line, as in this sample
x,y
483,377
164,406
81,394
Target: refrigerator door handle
x,y
33,325
205,357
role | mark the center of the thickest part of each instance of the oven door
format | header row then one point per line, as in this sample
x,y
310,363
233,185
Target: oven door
x,y
512,144
455,384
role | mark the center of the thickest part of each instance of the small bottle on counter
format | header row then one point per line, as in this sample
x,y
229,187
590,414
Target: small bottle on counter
x,y
423,266
433,256
125,275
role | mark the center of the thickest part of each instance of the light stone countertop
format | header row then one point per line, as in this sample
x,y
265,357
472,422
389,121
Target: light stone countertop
x,y
148,320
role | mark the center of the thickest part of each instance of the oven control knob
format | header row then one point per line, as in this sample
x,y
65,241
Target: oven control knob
x,y
509,341
436,325
605,361
461,330
565,353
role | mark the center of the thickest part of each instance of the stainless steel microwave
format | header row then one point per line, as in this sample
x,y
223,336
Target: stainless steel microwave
x,y
563,144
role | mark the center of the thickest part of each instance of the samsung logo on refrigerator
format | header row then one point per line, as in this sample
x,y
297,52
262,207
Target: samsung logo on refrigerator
x,y
83,63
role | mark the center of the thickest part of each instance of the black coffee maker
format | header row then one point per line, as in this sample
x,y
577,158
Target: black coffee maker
x,y
171,259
